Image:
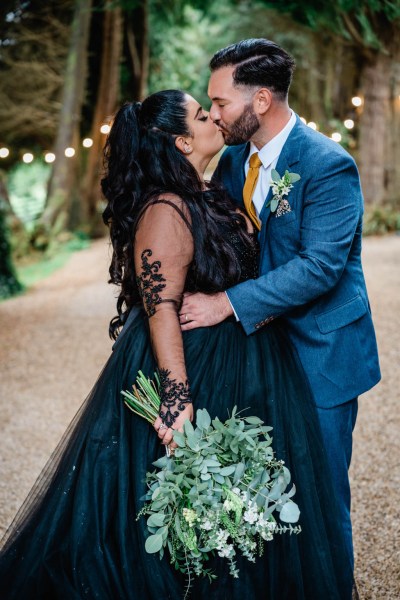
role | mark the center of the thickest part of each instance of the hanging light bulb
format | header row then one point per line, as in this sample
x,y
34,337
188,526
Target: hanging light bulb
x,y
304,120
87,143
69,152
356,101
4,152
105,128
312,125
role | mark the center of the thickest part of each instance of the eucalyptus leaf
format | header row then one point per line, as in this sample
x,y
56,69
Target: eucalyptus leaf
x,y
227,470
163,531
275,176
211,462
253,420
218,478
153,543
294,177
179,438
188,427
156,520
203,419
193,442
274,204
161,462
290,512
240,468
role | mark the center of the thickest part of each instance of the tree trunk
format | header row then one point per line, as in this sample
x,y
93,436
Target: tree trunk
x,y
393,135
374,128
63,179
9,284
137,32
107,98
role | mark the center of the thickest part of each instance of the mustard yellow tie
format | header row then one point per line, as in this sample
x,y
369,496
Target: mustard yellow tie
x,y
250,186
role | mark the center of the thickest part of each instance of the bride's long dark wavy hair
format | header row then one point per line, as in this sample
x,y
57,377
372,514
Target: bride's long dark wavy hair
x,y
142,162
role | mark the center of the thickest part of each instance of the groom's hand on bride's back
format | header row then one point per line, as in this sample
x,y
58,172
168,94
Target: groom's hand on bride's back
x,y
204,310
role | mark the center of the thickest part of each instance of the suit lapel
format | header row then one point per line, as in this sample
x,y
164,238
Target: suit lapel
x,y
289,156
240,177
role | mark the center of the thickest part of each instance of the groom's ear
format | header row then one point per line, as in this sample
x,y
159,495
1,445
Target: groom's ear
x,y
262,101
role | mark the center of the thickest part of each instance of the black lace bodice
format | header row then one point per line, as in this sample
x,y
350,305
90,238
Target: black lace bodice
x,y
165,268
247,255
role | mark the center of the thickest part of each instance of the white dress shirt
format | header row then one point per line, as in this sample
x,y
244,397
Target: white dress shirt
x,y
268,155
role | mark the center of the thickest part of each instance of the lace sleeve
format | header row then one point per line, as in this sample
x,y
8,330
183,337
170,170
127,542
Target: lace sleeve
x,y
163,252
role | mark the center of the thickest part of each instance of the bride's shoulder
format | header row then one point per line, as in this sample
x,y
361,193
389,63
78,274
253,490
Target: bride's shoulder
x,y
167,205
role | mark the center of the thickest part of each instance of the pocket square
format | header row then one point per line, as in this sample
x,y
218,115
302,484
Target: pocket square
x,y
283,208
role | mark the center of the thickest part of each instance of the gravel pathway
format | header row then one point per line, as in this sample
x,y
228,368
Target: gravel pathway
x,y
54,341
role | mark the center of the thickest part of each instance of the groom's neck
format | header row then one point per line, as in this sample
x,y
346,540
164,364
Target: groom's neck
x,y
272,123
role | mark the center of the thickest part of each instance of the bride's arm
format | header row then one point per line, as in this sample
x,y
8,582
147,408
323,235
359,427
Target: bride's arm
x,y
163,251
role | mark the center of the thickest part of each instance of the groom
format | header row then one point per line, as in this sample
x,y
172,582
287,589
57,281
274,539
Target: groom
x,y
310,238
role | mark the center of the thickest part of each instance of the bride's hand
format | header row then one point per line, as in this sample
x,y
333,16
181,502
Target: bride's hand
x,y
165,434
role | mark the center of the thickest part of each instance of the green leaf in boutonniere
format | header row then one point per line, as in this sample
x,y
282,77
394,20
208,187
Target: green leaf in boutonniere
x,y
281,187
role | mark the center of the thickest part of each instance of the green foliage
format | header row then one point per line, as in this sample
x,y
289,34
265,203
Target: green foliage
x,y
364,23
181,51
223,492
9,284
379,220
27,185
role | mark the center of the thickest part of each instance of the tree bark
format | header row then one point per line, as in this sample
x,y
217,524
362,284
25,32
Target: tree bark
x,y
374,127
56,214
137,33
393,135
107,98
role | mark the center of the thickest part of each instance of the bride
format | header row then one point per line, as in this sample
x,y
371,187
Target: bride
x,y
76,536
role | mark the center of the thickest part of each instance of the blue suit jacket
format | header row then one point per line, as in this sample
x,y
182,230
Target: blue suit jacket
x,y
310,265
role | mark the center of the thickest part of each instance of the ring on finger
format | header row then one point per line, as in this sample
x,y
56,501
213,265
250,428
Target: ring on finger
x,y
162,426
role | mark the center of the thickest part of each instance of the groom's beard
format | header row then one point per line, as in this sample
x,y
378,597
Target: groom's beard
x,y
243,128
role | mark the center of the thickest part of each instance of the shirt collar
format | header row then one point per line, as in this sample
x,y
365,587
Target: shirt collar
x,y
273,148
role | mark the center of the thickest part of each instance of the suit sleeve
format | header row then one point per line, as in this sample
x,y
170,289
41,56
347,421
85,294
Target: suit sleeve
x,y
163,252
332,210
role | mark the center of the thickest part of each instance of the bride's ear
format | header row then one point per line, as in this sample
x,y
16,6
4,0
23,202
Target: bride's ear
x,y
183,145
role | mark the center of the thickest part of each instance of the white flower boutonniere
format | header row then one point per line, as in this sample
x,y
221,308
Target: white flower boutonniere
x,y
281,187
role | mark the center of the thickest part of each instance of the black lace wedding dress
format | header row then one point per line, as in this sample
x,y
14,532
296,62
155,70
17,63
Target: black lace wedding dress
x,y
76,536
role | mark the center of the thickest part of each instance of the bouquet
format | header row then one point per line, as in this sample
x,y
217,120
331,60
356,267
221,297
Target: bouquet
x,y
222,492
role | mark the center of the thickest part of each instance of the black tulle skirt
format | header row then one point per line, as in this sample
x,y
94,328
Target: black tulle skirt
x,y
76,536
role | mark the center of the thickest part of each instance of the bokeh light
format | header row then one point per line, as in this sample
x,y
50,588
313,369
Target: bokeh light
x,y
49,157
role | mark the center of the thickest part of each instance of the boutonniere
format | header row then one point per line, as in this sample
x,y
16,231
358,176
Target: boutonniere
x,y
281,187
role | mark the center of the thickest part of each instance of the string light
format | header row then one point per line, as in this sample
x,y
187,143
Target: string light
x,y
27,157
349,123
49,157
356,101
69,152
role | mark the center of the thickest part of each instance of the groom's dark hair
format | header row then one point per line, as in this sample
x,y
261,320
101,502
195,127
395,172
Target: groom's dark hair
x,y
259,62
